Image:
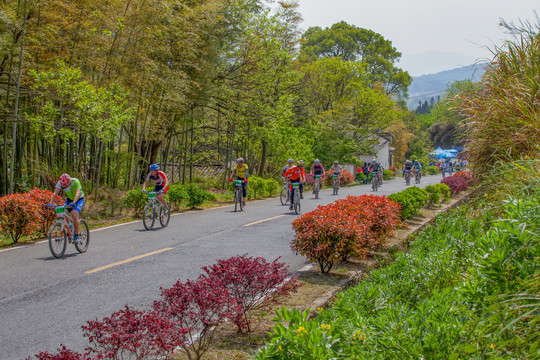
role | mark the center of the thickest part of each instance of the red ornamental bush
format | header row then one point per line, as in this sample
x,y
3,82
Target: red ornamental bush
x,y
197,307
47,216
131,333
19,216
455,183
344,179
467,175
253,282
330,233
63,354
383,214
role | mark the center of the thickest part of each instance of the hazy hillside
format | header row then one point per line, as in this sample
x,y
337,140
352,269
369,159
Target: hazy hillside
x,y
424,87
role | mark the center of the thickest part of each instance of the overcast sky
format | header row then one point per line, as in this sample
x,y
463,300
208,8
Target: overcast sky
x,y
417,26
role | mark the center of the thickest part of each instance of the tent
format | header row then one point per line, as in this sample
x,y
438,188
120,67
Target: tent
x,y
436,152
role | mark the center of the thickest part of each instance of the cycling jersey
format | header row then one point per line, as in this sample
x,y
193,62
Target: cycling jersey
x,y
71,190
375,167
337,169
295,173
408,167
417,166
241,170
286,167
317,169
158,179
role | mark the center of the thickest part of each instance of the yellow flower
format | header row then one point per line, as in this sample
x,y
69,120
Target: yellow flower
x,y
326,327
358,335
319,309
301,331
492,346
279,348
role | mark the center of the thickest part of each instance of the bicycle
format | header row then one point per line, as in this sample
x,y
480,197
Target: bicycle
x,y
407,177
316,185
296,205
61,233
285,195
417,176
238,193
335,184
154,208
375,181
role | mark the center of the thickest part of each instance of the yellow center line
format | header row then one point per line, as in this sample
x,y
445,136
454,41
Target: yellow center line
x,y
261,221
127,260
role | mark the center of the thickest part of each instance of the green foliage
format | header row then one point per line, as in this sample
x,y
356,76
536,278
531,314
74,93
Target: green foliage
x,y
354,44
434,194
432,170
411,200
176,194
467,288
195,195
272,187
256,187
136,200
445,191
360,177
388,174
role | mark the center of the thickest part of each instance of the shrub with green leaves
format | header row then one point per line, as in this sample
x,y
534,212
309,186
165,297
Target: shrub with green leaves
x,y
434,194
360,177
432,170
445,191
195,195
136,200
272,187
176,195
256,187
388,174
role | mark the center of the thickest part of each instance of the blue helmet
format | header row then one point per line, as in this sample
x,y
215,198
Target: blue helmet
x,y
154,167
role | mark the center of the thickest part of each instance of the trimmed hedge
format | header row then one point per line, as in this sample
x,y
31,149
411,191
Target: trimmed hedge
x,y
432,170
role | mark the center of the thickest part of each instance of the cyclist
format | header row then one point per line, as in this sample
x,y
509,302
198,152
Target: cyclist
x,y
290,164
161,183
376,168
296,174
336,169
407,167
74,201
417,167
317,169
241,172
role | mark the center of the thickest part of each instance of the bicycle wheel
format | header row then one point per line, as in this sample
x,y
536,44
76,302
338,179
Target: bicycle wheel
x,y
283,196
316,189
57,240
374,184
84,237
164,215
297,202
148,216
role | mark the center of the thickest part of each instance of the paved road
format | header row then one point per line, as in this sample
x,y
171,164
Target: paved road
x,y
44,301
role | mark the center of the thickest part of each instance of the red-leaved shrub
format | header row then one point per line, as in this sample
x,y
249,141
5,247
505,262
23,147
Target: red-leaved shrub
x,y
63,354
19,216
455,183
254,283
131,333
344,228
344,179
197,307
467,175
47,216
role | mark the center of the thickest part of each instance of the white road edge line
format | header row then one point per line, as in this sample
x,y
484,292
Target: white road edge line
x,y
263,220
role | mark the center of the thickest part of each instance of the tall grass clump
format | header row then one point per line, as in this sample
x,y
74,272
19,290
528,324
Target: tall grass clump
x,y
502,121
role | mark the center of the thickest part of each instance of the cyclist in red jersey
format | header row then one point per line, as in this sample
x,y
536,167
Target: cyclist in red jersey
x,y
161,183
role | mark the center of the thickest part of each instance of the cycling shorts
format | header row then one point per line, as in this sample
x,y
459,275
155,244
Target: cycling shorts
x,y
160,187
78,206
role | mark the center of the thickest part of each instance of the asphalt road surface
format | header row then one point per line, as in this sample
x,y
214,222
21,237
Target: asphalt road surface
x,y
44,301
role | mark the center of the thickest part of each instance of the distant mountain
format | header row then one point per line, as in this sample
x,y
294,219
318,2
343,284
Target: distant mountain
x,y
433,61
424,87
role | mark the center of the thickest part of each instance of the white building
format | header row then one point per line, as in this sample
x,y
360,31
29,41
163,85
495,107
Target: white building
x,y
383,151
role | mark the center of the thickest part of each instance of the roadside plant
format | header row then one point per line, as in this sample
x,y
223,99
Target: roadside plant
x,y
19,216
131,333
434,194
176,194
360,177
195,195
456,184
344,179
388,174
196,308
254,283
47,216
467,175
432,170
445,191
136,200
62,354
